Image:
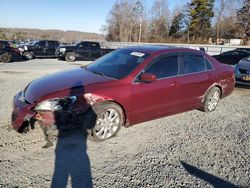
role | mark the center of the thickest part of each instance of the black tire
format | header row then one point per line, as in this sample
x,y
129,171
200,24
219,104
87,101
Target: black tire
x,y
70,57
28,55
5,58
211,100
102,129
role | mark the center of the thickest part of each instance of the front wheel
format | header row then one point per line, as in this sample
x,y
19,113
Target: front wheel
x,y
109,119
70,56
5,58
28,55
211,100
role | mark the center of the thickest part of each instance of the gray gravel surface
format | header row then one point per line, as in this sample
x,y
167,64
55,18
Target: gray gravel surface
x,y
191,149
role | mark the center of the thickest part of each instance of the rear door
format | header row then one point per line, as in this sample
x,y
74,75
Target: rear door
x,y
51,48
84,50
156,99
95,50
196,77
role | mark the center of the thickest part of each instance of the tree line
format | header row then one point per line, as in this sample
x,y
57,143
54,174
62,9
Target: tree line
x,y
197,21
37,34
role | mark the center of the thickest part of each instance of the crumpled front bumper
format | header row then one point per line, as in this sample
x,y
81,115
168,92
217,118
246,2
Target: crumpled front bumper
x,y
21,114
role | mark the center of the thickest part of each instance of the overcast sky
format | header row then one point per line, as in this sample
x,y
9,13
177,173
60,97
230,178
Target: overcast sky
x,y
80,15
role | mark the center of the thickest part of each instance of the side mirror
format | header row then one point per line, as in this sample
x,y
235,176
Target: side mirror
x,y
148,77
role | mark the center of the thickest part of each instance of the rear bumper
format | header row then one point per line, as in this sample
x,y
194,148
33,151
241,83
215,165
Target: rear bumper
x,y
242,82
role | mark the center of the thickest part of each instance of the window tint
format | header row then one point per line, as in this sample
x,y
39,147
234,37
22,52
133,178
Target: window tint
x,y
94,45
41,43
227,53
243,53
165,67
53,43
208,65
192,64
83,45
236,53
118,64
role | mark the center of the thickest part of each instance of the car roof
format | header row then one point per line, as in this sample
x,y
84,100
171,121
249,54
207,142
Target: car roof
x,y
238,50
158,48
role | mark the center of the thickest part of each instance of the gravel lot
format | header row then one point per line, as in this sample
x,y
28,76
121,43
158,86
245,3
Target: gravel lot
x,y
191,149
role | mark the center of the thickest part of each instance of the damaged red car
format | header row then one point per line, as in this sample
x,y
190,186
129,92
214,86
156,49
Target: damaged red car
x,y
123,88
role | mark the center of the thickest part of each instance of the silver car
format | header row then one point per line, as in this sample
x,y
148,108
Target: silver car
x,y
242,71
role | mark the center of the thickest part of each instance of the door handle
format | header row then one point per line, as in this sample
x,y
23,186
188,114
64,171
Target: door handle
x,y
208,76
175,83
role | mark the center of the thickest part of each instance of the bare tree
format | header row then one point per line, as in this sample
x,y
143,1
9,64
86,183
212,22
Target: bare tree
x,y
220,11
160,21
125,21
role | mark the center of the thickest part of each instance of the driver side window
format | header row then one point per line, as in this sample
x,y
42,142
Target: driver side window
x,y
164,67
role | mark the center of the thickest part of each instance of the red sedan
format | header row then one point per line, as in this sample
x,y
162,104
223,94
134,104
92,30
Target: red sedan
x,y
125,87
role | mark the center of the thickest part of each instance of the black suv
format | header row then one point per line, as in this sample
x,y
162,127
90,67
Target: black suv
x,y
7,52
42,48
85,50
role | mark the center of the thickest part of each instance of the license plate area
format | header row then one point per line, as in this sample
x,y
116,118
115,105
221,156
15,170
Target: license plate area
x,y
246,78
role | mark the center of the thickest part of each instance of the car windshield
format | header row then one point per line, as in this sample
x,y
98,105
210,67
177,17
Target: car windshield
x,y
117,64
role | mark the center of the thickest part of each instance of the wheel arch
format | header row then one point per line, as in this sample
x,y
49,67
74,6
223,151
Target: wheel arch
x,y
29,52
212,86
118,104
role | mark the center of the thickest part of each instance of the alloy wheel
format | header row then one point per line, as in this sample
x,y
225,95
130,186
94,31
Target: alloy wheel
x,y
107,124
213,100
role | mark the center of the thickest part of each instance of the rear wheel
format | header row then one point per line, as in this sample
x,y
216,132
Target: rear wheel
x,y
5,58
211,99
109,119
28,55
70,56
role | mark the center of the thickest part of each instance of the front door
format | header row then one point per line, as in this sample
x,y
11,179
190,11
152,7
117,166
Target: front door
x,y
159,98
38,49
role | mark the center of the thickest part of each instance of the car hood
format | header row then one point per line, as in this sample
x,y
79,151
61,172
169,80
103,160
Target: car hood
x,y
66,80
244,64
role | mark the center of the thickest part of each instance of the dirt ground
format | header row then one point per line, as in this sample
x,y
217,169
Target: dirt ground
x,y
191,149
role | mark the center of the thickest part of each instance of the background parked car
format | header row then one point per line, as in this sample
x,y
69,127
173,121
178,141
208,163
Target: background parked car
x,y
42,48
8,53
85,50
232,57
244,49
242,71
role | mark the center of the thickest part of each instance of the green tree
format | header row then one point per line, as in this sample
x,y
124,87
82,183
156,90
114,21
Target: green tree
x,y
201,13
177,26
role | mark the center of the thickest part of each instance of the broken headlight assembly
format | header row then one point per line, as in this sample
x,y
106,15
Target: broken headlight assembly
x,y
21,97
56,104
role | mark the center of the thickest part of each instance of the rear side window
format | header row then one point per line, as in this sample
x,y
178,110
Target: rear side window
x,y
227,53
94,45
165,67
42,43
53,43
83,45
192,64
